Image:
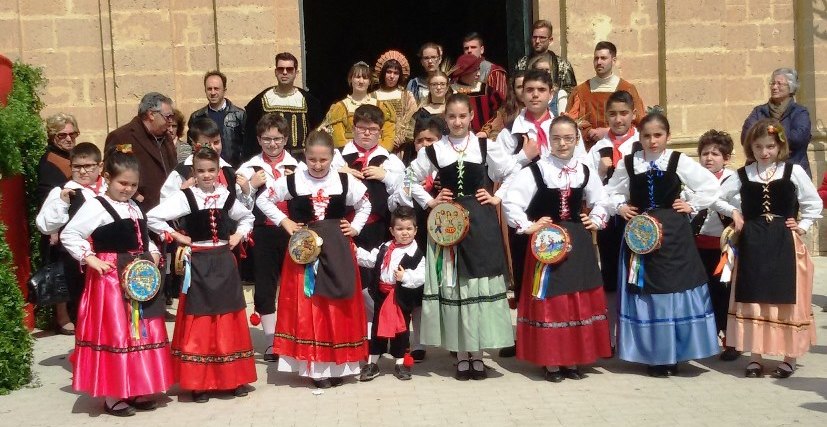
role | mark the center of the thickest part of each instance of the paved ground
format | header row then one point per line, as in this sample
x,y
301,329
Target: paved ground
x,y
708,392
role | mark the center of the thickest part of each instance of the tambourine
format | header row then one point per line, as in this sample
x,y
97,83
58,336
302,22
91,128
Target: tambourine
x,y
141,280
729,236
550,244
304,246
448,223
180,254
643,234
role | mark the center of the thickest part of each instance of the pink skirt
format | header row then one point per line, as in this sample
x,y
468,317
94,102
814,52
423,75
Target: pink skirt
x,y
776,329
107,361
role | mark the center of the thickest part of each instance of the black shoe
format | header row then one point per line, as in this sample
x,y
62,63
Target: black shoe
x,y
270,357
508,351
657,371
418,355
463,375
143,405
729,354
369,372
402,372
241,391
168,302
754,370
336,381
572,374
200,396
555,377
671,370
783,373
322,383
126,411
478,374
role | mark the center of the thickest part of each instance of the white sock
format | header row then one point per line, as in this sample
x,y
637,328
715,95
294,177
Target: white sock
x,y
373,358
110,402
552,368
400,361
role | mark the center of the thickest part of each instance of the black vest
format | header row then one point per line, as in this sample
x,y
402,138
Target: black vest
x,y
781,196
406,298
377,192
666,185
475,175
257,213
198,222
608,153
119,236
548,201
300,208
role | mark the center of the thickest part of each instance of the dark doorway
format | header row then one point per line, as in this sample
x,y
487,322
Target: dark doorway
x,y
337,34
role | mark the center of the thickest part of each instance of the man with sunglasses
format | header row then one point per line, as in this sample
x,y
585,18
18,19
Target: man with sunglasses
x,y
151,145
301,109
562,73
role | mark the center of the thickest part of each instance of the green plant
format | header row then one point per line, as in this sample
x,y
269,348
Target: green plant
x,y
15,341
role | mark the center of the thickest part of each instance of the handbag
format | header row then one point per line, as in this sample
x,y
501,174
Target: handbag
x,y
48,286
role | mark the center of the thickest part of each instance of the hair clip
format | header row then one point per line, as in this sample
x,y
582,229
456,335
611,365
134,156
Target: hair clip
x,y
654,109
362,63
777,131
124,148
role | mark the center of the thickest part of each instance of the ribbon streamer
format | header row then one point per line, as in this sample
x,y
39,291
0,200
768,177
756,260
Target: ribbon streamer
x,y
542,279
310,278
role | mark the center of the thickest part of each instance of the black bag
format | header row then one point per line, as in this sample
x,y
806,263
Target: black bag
x,y
48,286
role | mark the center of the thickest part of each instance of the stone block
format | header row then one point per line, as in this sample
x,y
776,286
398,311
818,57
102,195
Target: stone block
x,y
682,37
85,7
87,63
53,63
38,33
73,33
42,8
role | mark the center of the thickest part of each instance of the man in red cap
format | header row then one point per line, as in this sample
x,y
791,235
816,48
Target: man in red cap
x,y
485,101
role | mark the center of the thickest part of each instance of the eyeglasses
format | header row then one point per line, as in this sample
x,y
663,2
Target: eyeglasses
x,y
430,58
271,140
64,135
540,38
438,84
168,117
779,84
285,69
89,167
368,131
567,138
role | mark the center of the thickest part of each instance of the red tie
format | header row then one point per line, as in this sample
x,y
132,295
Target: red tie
x,y
542,138
364,153
96,187
222,179
617,142
273,163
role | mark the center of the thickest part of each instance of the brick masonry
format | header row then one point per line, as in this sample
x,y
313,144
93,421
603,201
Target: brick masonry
x,y
709,71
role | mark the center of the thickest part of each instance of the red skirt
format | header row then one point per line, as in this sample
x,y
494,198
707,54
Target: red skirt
x,y
212,352
107,360
319,329
564,330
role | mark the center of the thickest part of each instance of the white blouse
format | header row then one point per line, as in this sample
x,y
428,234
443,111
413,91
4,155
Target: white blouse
x,y
90,216
625,148
410,279
712,225
175,180
693,176
557,173
176,206
55,212
394,168
247,168
729,195
447,152
306,184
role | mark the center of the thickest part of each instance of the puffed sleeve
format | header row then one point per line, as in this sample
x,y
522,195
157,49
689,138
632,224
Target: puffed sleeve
x,y
173,207
809,203
517,198
268,198
53,214
419,169
75,235
357,197
171,184
596,199
701,181
617,189
366,258
394,173
414,278
728,197
244,216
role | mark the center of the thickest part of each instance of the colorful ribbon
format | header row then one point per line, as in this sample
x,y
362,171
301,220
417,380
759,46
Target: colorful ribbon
x,y
187,280
310,278
446,263
542,278
636,270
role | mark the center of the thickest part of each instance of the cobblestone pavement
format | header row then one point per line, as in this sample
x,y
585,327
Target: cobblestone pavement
x,y
707,393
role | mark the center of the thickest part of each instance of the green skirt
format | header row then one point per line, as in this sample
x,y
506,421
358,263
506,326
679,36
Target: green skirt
x,y
472,315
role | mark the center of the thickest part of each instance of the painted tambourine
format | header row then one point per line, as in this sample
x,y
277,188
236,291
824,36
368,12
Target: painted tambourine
x,y
729,237
643,234
448,223
304,246
180,255
141,280
550,244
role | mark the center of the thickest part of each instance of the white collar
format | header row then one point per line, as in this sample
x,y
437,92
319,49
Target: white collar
x,y
221,108
350,148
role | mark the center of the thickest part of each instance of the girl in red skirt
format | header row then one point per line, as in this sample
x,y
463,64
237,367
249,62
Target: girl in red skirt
x,y
211,345
320,328
561,316
126,361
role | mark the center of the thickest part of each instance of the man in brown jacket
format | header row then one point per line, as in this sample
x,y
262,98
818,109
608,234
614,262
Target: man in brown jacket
x,y
151,144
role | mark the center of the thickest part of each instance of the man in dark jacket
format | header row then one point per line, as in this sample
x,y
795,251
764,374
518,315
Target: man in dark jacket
x,y
231,120
151,145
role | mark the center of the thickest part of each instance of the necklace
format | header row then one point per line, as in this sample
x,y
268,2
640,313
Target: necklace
x,y
465,147
767,176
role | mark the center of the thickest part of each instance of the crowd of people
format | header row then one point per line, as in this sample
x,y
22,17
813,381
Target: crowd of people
x,y
520,155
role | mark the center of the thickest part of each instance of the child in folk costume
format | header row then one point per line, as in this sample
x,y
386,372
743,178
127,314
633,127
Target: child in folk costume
x,y
714,151
121,348
321,329
665,312
427,130
270,240
211,345
770,310
396,290
464,307
60,206
561,317
604,157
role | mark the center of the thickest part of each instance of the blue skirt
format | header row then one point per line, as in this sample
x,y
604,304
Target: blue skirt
x,y
664,329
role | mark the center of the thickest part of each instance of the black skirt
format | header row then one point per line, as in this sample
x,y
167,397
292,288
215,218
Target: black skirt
x,y
579,271
766,263
336,275
481,253
216,286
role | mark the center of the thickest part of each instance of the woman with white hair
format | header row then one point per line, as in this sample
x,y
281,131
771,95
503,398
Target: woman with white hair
x,y
793,116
